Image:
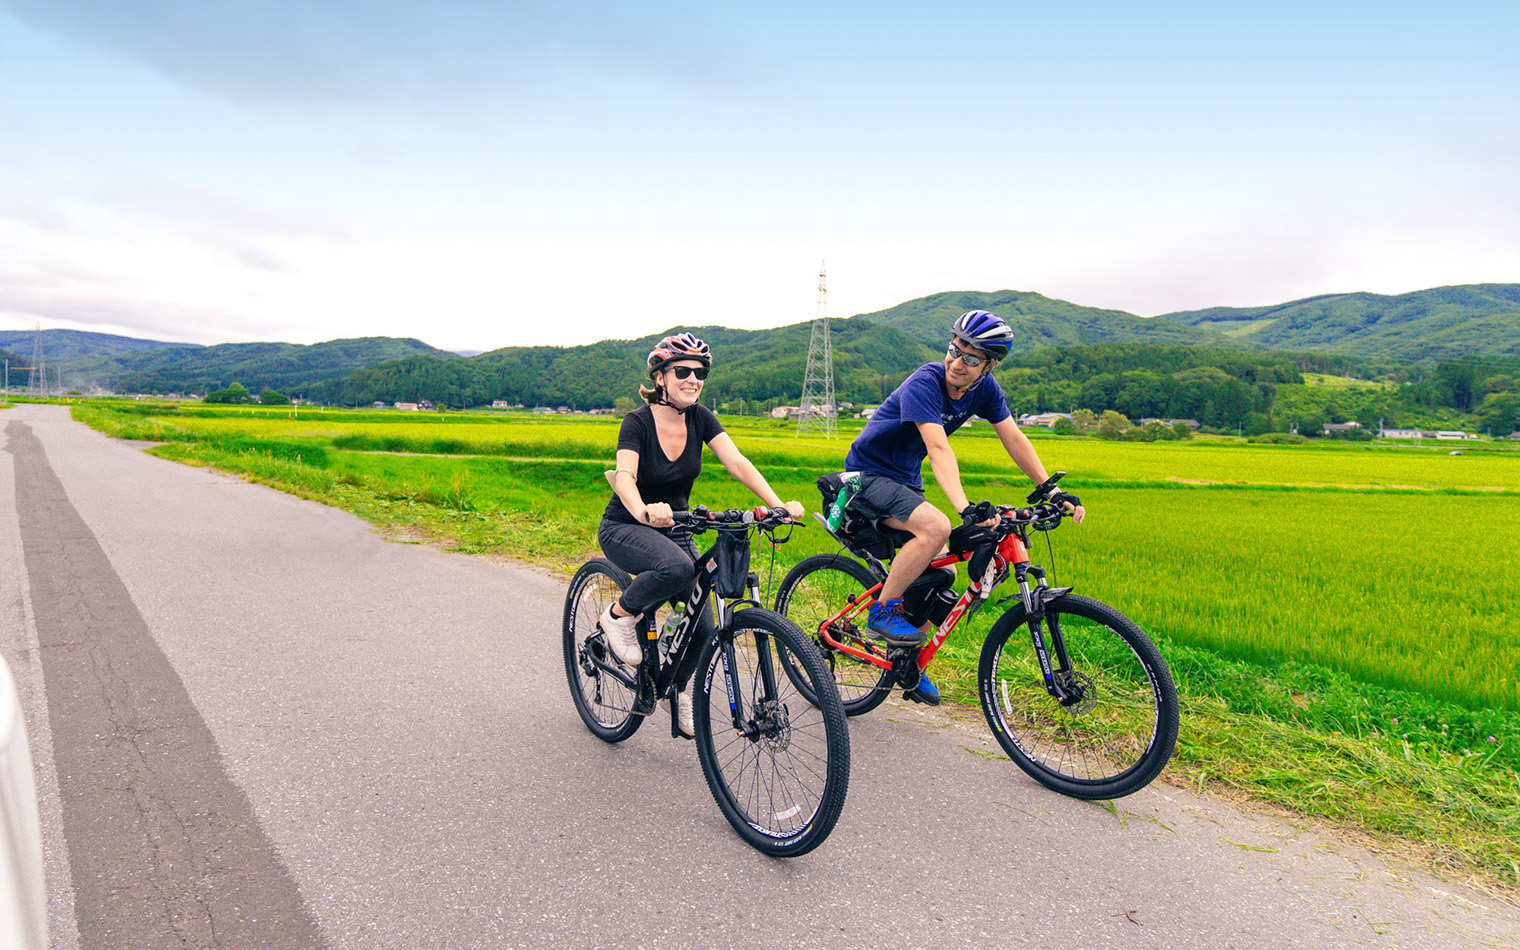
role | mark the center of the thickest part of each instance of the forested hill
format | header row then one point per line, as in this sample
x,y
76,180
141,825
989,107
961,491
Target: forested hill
x,y
1039,322
67,347
1438,324
754,365
112,362
872,352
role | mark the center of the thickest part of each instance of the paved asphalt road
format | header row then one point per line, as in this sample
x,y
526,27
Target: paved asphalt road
x,y
256,724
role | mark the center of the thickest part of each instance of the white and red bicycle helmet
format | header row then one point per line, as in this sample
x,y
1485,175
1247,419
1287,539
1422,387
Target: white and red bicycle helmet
x,y
678,346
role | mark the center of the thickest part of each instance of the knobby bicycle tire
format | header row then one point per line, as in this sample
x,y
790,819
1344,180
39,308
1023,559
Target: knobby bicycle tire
x,y
605,704
781,780
815,590
1120,733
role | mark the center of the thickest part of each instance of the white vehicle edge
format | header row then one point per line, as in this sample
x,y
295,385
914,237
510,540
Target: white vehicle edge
x,y
23,895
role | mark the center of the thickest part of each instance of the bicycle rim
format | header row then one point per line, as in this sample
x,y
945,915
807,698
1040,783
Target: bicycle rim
x,y
814,591
1118,733
605,704
781,781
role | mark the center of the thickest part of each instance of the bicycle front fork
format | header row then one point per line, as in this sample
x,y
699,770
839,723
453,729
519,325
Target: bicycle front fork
x,y
1059,682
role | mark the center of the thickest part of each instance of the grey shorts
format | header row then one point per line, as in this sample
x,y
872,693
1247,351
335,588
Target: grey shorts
x,y
881,497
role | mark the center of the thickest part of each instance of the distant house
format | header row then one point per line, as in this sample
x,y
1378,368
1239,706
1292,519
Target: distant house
x,y
1514,435
1341,428
382,405
412,406
1046,419
501,404
783,412
1402,434
1452,434
543,410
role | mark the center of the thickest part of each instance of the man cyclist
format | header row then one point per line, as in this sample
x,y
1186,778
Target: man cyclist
x,y
915,422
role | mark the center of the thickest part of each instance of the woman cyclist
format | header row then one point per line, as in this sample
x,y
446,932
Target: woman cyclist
x,y
659,456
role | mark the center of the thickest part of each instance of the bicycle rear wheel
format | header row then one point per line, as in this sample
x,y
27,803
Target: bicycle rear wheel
x,y
1117,729
777,763
814,591
604,702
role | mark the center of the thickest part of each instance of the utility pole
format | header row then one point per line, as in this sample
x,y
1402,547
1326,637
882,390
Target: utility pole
x,y
38,381
818,411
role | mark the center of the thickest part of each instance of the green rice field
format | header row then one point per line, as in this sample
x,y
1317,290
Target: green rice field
x,y
1389,564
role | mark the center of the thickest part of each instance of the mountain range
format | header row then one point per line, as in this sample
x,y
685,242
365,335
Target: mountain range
x,y
871,350
1442,323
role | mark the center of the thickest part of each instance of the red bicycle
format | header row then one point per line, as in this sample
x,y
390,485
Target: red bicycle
x,y
1075,692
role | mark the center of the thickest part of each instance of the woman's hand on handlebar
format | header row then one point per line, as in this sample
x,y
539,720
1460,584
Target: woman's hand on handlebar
x,y
795,509
658,515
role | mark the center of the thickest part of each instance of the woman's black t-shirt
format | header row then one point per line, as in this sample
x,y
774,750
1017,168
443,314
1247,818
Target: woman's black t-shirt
x,y
662,479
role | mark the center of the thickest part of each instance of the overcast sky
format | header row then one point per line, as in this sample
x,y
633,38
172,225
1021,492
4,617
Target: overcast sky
x,y
480,174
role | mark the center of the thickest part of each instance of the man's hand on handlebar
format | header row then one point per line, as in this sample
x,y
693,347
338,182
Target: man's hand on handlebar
x,y
1072,504
983,514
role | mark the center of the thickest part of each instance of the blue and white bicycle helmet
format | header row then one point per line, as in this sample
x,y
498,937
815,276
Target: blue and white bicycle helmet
x,y
986,331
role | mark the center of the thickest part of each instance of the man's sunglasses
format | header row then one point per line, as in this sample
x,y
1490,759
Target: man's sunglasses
x,y
969,361
684,371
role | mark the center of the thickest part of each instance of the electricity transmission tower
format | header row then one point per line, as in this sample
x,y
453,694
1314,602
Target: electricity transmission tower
x,y
818,412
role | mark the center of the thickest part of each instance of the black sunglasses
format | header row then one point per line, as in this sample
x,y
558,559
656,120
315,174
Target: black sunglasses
x,y
971,362
684,371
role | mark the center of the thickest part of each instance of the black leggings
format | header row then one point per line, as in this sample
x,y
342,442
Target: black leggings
x,y
663,565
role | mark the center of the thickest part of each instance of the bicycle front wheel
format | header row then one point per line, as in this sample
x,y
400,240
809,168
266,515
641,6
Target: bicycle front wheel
x,y
777,762
604,702
1116,727
813,592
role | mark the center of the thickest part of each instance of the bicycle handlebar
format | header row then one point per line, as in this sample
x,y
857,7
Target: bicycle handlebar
x,y
700,519
1043,516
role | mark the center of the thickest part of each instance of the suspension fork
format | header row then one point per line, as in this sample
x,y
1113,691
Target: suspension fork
x,y
725,633
765,690
1057,675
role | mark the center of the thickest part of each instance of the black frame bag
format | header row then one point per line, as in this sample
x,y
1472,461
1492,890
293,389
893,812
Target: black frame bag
x,y
858,532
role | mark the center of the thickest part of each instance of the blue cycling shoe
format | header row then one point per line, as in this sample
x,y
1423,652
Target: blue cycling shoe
x,y
885,621
924,692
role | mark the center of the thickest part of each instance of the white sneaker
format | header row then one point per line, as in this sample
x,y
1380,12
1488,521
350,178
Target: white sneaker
x,y
623,636
684,717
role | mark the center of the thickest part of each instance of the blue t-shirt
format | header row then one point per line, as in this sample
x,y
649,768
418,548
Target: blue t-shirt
x,y
890,444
